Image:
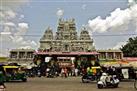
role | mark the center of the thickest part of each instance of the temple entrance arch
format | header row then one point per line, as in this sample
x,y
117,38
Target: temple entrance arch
x,y
65,58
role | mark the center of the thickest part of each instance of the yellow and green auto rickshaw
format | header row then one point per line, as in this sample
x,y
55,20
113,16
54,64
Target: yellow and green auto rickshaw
x,y
93,74
13,73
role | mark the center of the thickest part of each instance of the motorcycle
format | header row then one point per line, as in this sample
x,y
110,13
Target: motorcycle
x,y
108,81
88,78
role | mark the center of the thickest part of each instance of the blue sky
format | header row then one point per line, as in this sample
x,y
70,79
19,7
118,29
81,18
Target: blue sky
x,y
39,14
43,14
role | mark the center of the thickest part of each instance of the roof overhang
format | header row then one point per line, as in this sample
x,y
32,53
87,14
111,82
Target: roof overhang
x,y
66,53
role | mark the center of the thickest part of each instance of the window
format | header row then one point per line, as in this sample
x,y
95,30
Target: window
x,y
102,55
22,55
110,55
30,55
13,55
118,55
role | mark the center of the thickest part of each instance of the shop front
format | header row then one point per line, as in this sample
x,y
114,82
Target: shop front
x,y
68,59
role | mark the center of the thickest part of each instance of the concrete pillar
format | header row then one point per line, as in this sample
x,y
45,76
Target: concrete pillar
x,y
76,61
18,55
106,54
121,55
114,55
26,54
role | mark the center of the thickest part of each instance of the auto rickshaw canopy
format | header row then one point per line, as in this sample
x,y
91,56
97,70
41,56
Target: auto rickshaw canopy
x,y
96,67
10,67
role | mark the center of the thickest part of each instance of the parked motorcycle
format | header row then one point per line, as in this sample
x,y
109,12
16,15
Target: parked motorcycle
x,y
108,81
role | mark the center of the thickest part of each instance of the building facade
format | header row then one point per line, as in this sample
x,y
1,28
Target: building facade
x,y
66,44
21,54
66,38
110,55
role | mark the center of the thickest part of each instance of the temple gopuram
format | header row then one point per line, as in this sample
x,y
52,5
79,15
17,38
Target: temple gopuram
x,y
66,46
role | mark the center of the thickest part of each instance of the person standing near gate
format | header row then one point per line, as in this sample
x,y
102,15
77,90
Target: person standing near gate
x,y
65,72
2,76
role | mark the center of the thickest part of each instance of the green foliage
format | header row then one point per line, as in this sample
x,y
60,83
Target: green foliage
x,y
130,49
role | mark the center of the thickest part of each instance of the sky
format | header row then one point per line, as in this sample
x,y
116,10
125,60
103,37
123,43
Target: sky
x,y
106,21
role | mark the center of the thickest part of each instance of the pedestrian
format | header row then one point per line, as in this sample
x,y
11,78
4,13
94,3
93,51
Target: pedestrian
x,y
65,72
2,76
76,71
62,72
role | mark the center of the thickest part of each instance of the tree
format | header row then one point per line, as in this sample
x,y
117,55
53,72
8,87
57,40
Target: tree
x,y
130,49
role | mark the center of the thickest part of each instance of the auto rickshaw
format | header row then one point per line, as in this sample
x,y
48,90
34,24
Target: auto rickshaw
x,y
94,76
126,73
13,73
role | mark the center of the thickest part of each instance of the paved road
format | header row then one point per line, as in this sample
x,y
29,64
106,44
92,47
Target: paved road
x,y
62,84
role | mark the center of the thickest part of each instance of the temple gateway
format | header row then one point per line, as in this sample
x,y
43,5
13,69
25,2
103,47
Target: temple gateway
x,y
66,46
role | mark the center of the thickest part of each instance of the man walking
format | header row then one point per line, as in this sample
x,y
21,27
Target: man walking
x,y
2,73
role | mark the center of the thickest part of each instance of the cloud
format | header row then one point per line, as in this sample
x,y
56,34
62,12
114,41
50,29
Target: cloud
x,y
7,14
5,33
60,13
1,14
25,47
132,2
21,16
23,25
33,43
8,4
11,32
10,14
119,20
119,45
84,6
10,24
